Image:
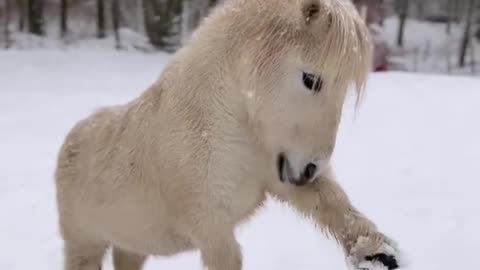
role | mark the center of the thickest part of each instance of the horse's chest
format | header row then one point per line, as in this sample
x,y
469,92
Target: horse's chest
x,y
246,199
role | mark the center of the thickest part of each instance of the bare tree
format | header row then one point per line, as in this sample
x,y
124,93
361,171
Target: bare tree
x,y
186,10
21,14
101,32
472,57
116,22
63,18
381,3
459,7
160,21
403,18
140,24
192,13
466,33
420,8
7,24
449,15
35,17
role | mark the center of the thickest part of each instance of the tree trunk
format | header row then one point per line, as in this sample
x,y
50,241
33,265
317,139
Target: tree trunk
x,y
472,57
466,34
403,18
420,8
6,24
160,25
186,10
449,15
63,18
21,15
116,22
193,12
456,9
381,4
101,19
35,17
140,17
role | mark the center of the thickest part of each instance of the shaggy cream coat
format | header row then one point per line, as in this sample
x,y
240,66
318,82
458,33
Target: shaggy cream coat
x,y
177,168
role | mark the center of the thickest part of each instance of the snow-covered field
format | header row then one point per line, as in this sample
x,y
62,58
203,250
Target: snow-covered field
x,y
410,161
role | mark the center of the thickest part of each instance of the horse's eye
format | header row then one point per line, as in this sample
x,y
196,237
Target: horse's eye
x,y
312,82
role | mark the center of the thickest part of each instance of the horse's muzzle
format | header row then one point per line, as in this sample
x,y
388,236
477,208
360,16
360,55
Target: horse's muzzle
x,y
286,173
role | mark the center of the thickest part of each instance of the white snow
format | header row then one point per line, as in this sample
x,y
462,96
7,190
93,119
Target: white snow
x,y
409,161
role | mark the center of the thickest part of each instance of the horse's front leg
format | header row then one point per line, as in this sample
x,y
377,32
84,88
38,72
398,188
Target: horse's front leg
x,y
325,202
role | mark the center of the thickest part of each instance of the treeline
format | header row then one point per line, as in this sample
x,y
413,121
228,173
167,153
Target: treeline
x,y
165,22
442,11
168,23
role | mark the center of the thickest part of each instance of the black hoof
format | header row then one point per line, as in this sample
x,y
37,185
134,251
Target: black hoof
x,y
388,260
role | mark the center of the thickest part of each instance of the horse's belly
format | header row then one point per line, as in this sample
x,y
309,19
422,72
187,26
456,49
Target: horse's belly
x,y
162,242
135,226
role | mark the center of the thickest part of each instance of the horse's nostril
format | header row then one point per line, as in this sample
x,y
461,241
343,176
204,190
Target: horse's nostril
x,y
280,166
310,171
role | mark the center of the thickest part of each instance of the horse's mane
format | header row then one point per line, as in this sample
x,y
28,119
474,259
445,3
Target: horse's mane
x,y
347,48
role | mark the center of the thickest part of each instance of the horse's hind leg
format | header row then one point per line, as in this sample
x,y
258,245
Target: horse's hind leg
x,y
123,260
83,256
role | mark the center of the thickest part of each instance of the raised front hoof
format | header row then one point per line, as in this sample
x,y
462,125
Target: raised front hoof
x,y
386,257
388,261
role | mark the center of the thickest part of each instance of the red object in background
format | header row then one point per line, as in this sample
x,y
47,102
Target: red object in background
x,y
380,68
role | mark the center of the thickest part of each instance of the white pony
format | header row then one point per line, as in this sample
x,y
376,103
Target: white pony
x,y
250,107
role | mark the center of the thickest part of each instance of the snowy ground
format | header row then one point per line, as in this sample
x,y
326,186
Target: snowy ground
x,y
409,161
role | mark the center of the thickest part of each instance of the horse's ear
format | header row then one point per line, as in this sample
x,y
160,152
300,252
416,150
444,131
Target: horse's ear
x,y
310,10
